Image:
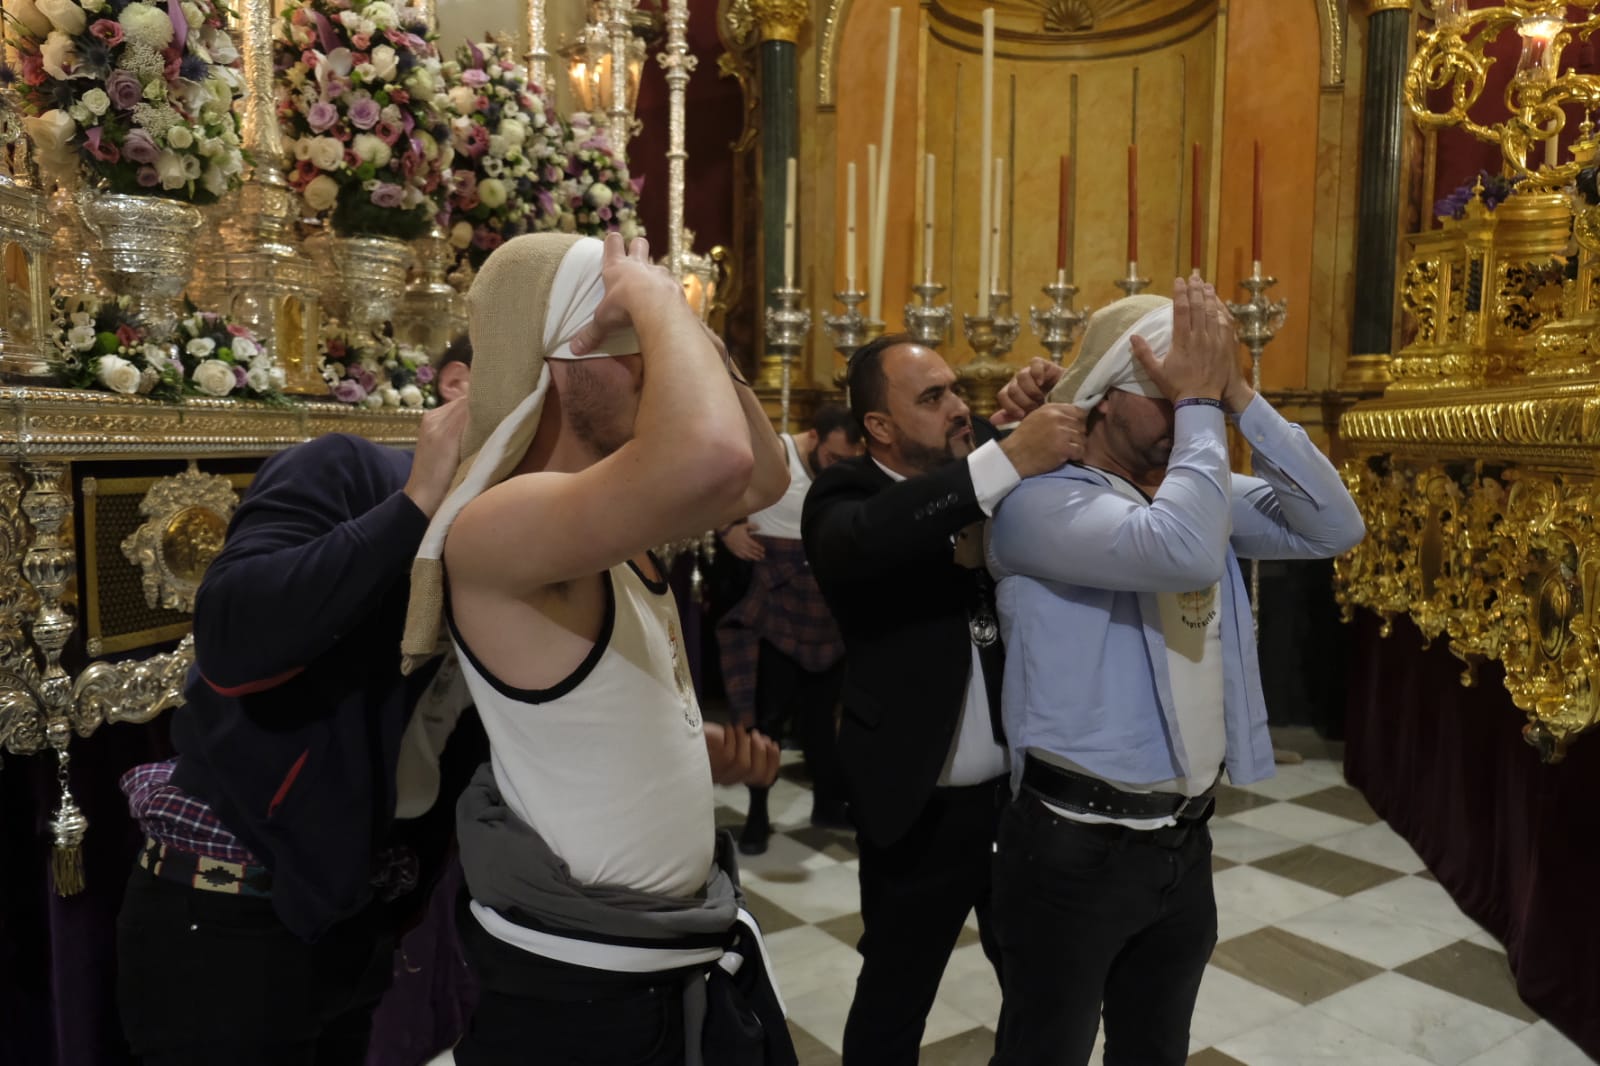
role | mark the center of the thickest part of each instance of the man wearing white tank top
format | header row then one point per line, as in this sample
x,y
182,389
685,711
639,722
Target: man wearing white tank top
x,y
588,847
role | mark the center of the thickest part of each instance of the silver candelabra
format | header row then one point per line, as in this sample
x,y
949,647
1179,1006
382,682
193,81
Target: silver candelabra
x,y
928,322
787,324
1256,321
1006,327
848,331
1133,284
1058,326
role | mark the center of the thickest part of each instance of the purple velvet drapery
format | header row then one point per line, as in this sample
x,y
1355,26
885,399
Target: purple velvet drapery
x,y
1513,840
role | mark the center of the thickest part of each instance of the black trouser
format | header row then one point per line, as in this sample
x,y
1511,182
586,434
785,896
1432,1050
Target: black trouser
x,y
915,897
206,978
534,1011
786,691
1099,918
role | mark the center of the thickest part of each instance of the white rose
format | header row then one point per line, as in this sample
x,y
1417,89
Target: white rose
x,y
155,355
96,101
64,15
514,133
245,348
180,137
192,168
258,380
411,396
326,152
461,235
52,134
372,399
81,115
385,63
422,82
302,148
277,378
214,377
321,194
201,347
30,16
498,146
381,15
81,338
92,6
371,149
390,396
58,54
599,195
215,181
492,191
366,72
463,99
119,375
170,169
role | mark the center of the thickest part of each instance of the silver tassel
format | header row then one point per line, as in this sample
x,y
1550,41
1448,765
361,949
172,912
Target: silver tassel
x,y
69,826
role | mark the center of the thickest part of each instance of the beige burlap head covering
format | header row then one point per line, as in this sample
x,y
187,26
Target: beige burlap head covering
x,y
532,296
1105,358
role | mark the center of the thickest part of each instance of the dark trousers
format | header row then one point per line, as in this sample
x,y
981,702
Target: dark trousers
x,y
205,978
534,1011
787,692
915,897
1100,919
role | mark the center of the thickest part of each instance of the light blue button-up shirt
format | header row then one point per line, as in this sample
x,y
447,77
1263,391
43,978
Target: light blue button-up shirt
x,y
1079,565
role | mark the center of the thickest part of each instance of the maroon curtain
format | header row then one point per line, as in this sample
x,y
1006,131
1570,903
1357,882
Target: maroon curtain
x,y
1516,842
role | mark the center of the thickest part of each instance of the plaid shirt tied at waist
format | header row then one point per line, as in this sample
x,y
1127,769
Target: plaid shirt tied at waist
x,y
783,607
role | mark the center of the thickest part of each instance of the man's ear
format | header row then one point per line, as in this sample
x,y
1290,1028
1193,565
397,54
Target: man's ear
x,y
879,428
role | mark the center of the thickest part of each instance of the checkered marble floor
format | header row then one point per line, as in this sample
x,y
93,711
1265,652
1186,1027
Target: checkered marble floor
x,y
1335,945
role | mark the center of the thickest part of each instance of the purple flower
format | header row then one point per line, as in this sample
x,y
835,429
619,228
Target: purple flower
x,y
148,177
239,375
103,150
140,147
388,195
475,78
348,391
364,113
323,115
365,379
124,89
424,375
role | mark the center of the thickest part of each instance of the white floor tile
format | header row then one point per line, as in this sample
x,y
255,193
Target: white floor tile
x,y
1229,1006
1243,843
1289,782
970,986
1268,898
1425,1021
1378,844
822,1013
785,859
810,895
1295,822
1357,929
1414,900
829,965
1537,1045
1310,1038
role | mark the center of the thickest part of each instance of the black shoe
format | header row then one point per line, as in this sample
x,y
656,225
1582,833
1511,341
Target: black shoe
x,y
831,816
754,836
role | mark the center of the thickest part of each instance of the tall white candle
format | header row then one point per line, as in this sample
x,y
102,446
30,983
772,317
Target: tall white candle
x,y
872,225
788,224
927,220
994,223
985,153
850,229
880,177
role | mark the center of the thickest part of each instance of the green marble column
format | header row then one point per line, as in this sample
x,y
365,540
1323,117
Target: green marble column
x,y
780,22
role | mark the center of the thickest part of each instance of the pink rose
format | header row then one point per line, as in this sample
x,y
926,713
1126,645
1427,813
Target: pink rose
x,y
107,30
364,113
124,89
348,391
487,239
139,147
321,116
240,331
361,41
387,195
399,96
475,78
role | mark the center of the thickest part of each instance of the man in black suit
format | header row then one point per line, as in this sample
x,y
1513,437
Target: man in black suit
x,y
894,540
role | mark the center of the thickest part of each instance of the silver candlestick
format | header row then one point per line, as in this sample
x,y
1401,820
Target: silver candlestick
x,y
1256,321
787,324
928,322
1058,325
1133,284
847,331
1006,327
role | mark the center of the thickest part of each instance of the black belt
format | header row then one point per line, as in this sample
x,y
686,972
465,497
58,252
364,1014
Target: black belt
x,y
208,875
1090,795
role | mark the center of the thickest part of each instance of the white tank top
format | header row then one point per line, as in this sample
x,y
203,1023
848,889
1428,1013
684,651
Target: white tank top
x,y
610,766
782,519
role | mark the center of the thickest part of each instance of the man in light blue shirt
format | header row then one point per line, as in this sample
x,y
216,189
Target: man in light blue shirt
x,y
1131,676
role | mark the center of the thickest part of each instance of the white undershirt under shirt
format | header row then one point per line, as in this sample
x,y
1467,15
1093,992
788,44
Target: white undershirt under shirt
x,y
782,519
1191,627
974,756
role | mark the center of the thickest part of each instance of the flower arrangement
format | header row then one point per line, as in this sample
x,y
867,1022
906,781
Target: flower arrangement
x,y
371,370
138,95
1495,189
107,345
501,130
359,97
588,187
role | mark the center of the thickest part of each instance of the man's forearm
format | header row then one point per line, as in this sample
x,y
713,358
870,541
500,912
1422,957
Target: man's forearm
x,y
770,478
688,409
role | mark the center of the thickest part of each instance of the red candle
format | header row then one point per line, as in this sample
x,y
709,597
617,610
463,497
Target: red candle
x,y
1061,219
1133,203
1197,215
1255,216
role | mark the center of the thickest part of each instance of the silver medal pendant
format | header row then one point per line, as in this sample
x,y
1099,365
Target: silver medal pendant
x,y
984,630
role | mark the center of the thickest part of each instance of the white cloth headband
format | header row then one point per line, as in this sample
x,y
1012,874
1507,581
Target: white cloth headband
x,y
1118,369
574,295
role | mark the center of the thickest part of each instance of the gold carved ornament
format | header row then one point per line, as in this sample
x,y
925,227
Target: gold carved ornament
x,y
1504,564
186,518
780,20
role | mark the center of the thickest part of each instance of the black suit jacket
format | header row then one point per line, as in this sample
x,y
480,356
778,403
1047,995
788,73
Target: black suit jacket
x,y
882,553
